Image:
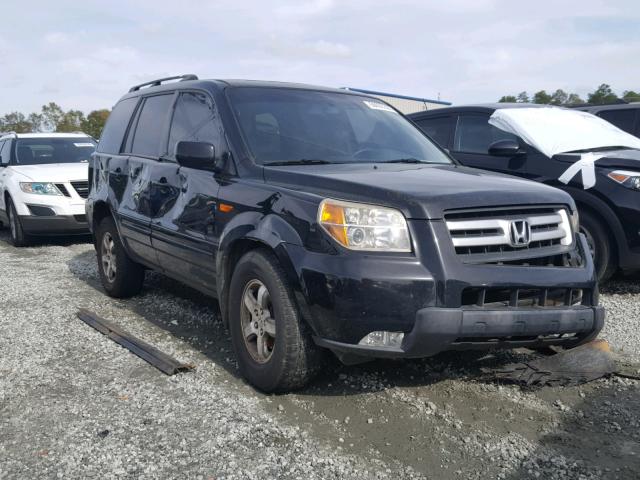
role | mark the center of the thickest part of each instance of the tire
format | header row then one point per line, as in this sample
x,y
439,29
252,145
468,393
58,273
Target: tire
x,y
121,277
289,358
16,233
600,243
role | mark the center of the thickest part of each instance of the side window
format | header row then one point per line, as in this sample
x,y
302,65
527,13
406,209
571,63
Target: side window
x,y
624,119
5,152
148,139
117,123
474,134
438,128
194,119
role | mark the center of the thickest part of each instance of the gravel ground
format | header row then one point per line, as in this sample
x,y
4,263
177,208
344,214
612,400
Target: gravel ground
x,y
73,404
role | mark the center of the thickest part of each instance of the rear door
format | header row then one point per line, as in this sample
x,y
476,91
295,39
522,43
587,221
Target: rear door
x,y
472,138
183,200
5,148
133,173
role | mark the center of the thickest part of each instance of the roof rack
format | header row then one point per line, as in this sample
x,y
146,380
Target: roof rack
x,y
2,134
155,83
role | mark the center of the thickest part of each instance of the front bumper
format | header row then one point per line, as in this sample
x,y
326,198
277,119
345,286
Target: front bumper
x,y
55,224
439,329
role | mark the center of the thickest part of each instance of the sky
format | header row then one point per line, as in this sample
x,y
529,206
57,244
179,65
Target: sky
x,y
85,55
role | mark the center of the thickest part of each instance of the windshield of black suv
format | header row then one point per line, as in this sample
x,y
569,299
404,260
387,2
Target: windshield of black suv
x,y
38,151
287,126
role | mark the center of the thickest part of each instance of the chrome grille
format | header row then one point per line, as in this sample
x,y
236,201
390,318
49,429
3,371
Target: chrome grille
x,y
82,187
495,236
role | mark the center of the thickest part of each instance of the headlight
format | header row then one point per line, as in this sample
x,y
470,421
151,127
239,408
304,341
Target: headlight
x,y
40,188
365,227
628,179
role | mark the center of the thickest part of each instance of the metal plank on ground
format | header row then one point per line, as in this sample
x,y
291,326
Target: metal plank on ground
x,y
147,352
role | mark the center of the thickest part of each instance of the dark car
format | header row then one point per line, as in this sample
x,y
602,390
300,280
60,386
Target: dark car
x,y
625,116
609,210
323,219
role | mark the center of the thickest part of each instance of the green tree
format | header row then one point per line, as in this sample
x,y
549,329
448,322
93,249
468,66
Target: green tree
x,y
70,121
15,122
602,94
559,97
52,115
94,123
523,97
542,97
574,99
630,96
508,99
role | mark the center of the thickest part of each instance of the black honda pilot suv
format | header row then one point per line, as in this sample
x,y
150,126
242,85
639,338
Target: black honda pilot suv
x,y
323,219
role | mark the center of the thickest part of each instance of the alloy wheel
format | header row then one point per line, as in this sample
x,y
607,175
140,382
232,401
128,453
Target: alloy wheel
x,y
108,257
258,324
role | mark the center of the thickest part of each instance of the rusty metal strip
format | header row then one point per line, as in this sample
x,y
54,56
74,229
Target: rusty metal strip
x,y
149,353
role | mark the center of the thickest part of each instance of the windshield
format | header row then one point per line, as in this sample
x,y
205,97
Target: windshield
x,y
554,130
38,151
283,126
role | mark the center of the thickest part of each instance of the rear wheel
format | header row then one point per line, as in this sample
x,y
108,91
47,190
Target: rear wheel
x,y
121,277
275,352
599,244
17,235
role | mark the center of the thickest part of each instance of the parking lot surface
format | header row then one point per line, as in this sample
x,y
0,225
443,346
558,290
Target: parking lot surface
x,y
74,404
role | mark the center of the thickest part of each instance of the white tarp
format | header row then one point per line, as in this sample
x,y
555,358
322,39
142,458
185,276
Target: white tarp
x,y
553,130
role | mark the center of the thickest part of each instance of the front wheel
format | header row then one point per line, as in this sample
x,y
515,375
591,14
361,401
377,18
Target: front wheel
x,y
121,277
274,349
17,235
600,245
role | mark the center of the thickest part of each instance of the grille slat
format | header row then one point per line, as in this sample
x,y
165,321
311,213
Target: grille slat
x,y
81,187
523,297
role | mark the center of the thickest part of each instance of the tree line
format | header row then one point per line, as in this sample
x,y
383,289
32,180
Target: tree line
x,y
52,118
602,94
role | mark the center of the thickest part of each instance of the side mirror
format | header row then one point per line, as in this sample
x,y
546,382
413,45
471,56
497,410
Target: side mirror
x,y
198,155
505,148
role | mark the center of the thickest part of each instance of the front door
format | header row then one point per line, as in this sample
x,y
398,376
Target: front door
x,y
183,200
471,141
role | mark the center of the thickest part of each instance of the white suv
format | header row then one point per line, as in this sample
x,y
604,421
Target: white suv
x,y
44,183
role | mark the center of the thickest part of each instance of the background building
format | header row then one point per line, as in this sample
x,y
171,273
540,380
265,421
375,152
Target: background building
x,y
404,103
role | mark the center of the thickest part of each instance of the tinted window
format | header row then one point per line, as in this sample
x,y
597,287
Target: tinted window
x,y
117,123
5,146
290,125
474,134
438,128
148,139
38,151
194,119
623,119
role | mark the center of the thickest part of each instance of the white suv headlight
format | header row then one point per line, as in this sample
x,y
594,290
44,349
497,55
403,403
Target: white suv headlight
x,y
359,226
40,188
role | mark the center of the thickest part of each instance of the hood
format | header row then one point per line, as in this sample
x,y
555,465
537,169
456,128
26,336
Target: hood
x,y
623,158
419,191
54,172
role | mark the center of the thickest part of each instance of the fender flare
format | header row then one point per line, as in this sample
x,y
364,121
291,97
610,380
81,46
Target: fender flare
x,y
271,232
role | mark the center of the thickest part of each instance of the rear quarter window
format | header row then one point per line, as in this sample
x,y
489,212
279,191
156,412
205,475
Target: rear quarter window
x,y
116,127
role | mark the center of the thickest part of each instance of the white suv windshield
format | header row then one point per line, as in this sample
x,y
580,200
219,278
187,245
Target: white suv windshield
x,y
554,130
38,151
284,126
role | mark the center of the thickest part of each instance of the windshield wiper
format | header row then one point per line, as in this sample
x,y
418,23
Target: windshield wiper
x,y
302,161
404,160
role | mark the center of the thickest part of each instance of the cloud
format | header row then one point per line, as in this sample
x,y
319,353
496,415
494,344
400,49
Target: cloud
x,y
464,50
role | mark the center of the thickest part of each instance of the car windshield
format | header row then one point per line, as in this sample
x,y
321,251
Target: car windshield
x,y
287,126
38,151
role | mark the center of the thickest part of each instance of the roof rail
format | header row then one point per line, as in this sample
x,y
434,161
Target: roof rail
x,y
155,83
2,134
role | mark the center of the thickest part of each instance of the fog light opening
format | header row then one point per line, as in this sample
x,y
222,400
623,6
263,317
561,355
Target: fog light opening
x,y
383,339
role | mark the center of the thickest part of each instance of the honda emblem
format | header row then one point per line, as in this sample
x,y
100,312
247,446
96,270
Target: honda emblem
x,y
520,233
